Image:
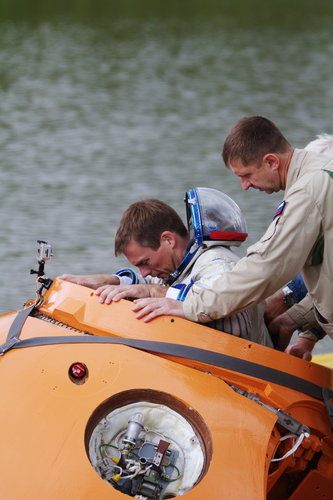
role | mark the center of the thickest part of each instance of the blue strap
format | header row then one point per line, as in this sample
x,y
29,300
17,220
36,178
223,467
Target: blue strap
x,y
179,350
15,329
194,353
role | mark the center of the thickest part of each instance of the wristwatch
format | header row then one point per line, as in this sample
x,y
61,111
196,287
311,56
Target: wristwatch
x,y
289,296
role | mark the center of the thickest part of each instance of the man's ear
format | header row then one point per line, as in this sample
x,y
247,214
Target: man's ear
x,y
168,238
271,160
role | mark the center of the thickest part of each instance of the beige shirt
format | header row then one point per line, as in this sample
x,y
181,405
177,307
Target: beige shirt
x,y
208,263
292,243
206,266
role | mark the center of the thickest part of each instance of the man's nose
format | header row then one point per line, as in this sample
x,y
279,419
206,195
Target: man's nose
x,y
245,183
144,270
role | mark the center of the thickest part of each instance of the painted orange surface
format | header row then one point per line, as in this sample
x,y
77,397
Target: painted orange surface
x,y
44,414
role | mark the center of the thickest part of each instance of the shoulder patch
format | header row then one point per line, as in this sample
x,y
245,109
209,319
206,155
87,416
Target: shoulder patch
x,y
279,209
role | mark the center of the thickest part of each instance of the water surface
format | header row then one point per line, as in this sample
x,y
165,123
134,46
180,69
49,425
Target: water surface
x,y
103,104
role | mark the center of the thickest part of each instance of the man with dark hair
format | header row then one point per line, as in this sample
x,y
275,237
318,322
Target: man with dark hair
x,y
152,237
251,138
299,238
295,290
144,222
171,259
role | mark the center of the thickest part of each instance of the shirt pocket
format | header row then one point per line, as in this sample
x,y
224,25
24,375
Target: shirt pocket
x,y
265,240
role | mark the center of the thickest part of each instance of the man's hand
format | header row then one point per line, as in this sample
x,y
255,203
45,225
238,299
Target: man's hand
x,y
302,348
151,308
275,305
281,330
108,294
91,280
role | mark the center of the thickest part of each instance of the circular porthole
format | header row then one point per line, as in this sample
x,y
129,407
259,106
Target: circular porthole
x,y
148,445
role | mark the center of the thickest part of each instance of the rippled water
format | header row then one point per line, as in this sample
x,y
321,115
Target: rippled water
x,y
103,105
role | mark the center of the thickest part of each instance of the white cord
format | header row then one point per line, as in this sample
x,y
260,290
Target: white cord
x,y
294,448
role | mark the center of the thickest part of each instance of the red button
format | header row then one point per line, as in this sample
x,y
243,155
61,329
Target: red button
x,y
78,370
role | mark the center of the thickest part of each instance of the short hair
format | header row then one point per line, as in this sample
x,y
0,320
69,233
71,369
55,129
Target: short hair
x,y
144,221
323,144
251,138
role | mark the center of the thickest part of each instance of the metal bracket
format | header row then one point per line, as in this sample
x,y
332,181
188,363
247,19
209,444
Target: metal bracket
x,y
284,419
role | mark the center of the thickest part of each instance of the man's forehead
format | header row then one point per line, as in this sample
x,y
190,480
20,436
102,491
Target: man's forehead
x,y
239,168
134,247
132,244
136,252
236,165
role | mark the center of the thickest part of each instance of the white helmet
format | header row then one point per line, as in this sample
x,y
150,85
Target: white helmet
x,y
214,216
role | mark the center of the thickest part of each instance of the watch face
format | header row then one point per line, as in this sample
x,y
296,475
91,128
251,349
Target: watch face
x,y
289,299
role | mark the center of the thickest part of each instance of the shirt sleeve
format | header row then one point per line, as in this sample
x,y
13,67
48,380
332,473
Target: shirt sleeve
x,y
303,313
129,277
270,263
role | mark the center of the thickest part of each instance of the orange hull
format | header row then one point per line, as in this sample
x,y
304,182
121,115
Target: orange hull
x,y
47,417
